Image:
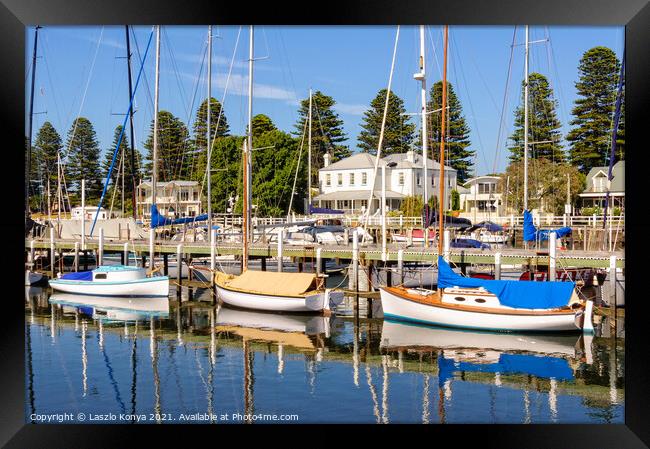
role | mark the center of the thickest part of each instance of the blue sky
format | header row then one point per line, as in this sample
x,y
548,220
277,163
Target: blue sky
x,y
82,71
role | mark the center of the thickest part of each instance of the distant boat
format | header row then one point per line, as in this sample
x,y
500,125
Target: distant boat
x,y
31,277
118,280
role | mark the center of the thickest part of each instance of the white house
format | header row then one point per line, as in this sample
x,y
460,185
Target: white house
x,y
346,184
479,199
89,213
595,192
175,199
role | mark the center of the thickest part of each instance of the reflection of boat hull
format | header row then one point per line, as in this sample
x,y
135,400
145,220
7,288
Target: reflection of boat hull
x,y
397,304
400,335
152,286
308,324
118,309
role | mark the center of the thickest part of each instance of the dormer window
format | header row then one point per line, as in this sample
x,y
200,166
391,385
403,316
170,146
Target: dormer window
x,y
600,182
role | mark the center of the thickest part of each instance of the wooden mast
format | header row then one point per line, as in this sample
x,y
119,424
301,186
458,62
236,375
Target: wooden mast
x,y
441,199
31,120
133,172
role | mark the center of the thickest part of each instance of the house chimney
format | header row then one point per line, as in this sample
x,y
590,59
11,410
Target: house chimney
x,y
410,156
326,159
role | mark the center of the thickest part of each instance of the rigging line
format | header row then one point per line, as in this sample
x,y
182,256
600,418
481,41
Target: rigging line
x,y
119,141
49,77
83,98
295,179
505,102
223,101
435,55
381,136
552,61
189,117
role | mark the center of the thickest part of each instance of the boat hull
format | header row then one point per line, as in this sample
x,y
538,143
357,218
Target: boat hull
x,y
154,286
311,303
398,308
32,277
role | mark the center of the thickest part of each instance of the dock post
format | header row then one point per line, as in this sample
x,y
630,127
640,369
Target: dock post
x,y
126,254
179,272
152,240
280,245
552,250
166,265
318,261
300,264
355,260
447,242
100,248
497,266
263,263
409,237
389,277
85,253
52,251
76,256
426,237
346,236
612,281
213,252
400,266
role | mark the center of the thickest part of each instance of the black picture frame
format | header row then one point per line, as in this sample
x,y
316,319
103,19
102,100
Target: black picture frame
x,y
15,15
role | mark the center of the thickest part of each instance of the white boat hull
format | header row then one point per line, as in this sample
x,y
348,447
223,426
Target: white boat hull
x,y
32,277
154,286
398,308
312,303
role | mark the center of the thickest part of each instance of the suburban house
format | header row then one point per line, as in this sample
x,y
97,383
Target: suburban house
x,y
479,199
88,213
596,188
175,199
346,184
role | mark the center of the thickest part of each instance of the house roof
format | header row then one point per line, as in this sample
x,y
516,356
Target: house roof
x,y
476,179
366,160
618,177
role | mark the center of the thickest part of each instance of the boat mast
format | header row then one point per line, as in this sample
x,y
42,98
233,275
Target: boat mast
x,y
526,125
421,75
248,148
133,172
207,148
309,157
154,171
441,202
29,132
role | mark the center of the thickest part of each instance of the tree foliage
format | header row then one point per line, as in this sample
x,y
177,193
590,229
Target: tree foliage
x,y
590,137
398,132
116,176
176,157
327,134
83,157
546,188
412,205
543,124
457,152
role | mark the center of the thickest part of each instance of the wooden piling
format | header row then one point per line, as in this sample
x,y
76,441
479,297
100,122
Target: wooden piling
x,y
319,260
52,252
400,266
612,293
179,277
552,249
497,266
100,248
166,265
280,248
76,256
126,254
263,263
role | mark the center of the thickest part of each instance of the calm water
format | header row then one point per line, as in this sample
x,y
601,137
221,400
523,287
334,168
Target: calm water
x,y
151,361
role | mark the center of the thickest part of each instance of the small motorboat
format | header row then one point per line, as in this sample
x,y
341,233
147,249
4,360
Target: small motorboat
x,y
112,280
32,277
276,291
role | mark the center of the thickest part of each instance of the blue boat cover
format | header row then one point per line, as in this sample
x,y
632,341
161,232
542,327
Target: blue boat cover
x,y
541,366
468,243
531,233
79,276
518,294
323,210
159,220
488,225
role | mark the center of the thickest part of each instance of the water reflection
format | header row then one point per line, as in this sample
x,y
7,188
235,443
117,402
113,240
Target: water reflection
x,y
217,364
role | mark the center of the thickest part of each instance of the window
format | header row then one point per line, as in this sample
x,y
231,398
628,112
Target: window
x,y
486,187
328,180
351,179
364,179
196,196
184,195
401,178
418,179
340,179
363,203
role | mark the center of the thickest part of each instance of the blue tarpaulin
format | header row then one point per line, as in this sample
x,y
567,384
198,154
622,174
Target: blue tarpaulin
x,y
159,220
519,294
323,210
468,243
540,366
531,233
80,276
488,225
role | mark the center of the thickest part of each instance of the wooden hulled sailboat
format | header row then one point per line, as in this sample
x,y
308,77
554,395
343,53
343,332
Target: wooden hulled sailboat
x,y
519,306
266,290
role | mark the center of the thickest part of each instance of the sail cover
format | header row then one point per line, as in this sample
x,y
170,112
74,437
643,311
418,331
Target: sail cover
x,y
531,233
159,220
518,294
324,210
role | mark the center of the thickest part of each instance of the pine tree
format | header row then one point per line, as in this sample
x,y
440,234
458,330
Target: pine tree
x,y
543,124
83,158
457,153
590,137
261,125
327,132
176,157
47,147
398,132
126,151
201,125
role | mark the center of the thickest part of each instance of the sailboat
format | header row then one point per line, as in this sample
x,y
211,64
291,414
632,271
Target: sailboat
x,y
511,306
266,290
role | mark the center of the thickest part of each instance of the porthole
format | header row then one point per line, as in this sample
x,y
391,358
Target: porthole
x,y
459,298
479,300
